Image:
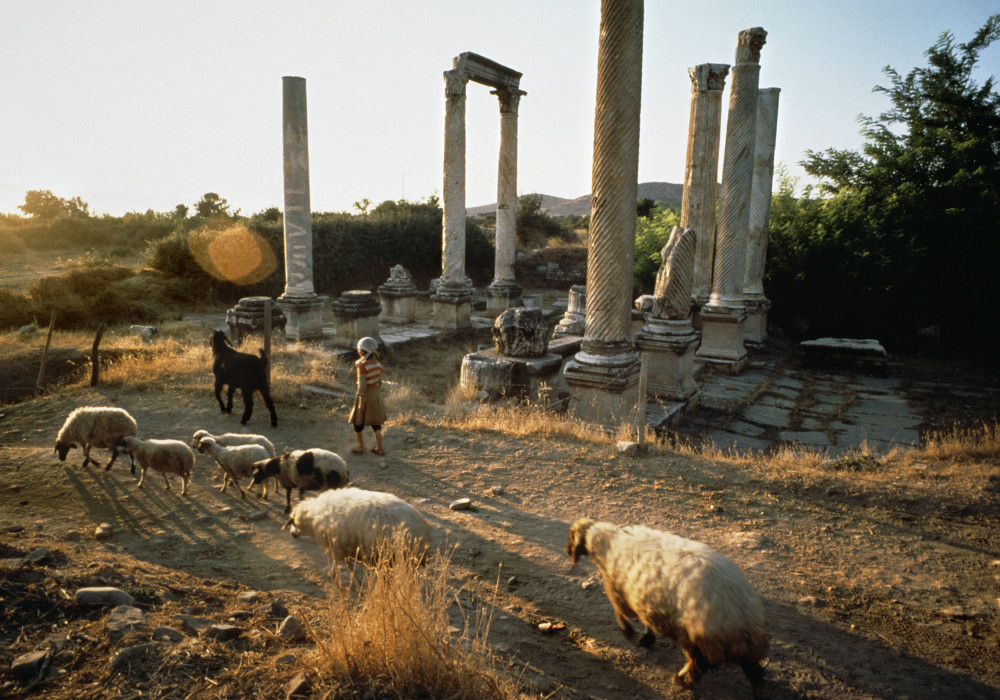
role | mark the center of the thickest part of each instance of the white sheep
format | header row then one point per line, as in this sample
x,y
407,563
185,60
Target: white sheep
x,y
95,426
679,589
147,333
236,462
354,524
165,456
305,470
231,439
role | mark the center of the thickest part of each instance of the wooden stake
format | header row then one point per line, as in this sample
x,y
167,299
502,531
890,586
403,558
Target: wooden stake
x,y
643,370
45,354
94,371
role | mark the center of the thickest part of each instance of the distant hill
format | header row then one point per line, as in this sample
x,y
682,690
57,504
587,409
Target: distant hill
x,y
663,192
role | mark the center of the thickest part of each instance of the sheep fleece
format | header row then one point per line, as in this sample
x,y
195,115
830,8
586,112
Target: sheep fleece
x,y
680,589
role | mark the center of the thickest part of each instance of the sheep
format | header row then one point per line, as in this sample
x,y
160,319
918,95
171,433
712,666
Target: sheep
x,y
236,462
243,371
230,439
95,426
165,456
680,589
352,524
147,333
306,470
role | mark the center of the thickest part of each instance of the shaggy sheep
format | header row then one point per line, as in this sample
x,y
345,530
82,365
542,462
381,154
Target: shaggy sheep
x,y
230,439
354,524
243,371
95,426
165,456
305,470
147,333
236,462
679,589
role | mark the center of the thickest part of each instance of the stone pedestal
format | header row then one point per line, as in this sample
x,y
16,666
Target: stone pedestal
x,y
452,308
248,316
533,379
722,337
668,348
304,315
574,321
604,388
398,297
755,327
356,316
501,296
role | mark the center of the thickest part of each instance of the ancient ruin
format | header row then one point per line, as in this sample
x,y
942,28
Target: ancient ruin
x,y
398,296
356,315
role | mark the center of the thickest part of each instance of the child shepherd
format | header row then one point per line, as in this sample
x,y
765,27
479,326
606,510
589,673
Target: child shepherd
x,y
368,408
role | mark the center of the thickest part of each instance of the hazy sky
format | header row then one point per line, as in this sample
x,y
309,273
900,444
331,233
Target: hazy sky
x,y
140,104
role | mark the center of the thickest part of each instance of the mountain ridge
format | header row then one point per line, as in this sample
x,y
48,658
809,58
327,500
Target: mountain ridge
x,y
667,193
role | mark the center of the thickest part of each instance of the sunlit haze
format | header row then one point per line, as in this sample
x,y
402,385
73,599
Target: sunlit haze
x,y
146,105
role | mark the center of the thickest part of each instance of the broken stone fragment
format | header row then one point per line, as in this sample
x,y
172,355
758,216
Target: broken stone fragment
x,y
461,504
103,595
122,620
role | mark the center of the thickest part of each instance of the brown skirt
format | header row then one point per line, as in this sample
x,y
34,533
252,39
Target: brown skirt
x,y
374,413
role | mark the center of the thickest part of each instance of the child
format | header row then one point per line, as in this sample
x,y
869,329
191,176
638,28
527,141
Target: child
x,y
368,408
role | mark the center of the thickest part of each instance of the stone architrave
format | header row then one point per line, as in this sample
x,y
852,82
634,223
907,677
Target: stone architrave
x,y
574,320
303,308
701,171
755,329
723,318
604,376
398,296
505,292
668,340
356,315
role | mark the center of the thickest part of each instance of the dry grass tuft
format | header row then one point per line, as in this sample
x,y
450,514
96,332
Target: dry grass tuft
x,y
962,444
387,633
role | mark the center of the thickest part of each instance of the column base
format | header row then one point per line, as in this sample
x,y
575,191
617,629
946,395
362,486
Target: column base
x,y
452,308
722,337
668,349
501,296
755,328
356,316
304,316
604,390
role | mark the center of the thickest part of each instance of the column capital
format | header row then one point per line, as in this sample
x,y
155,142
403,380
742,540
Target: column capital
x,y
708,77
748,45
510,98
455,82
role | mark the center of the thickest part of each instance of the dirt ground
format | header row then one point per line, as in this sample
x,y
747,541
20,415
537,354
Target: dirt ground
x,y
876,585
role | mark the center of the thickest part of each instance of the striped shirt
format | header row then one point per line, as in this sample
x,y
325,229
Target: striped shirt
x,y
371,371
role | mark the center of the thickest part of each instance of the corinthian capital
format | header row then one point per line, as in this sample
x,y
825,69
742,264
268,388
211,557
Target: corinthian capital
x,y
454,83
749,43
708,77
510,98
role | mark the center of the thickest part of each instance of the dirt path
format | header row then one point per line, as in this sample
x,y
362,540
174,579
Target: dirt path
x,y
874,587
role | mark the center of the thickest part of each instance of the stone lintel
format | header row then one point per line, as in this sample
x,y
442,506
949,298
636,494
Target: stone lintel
x,y
482,70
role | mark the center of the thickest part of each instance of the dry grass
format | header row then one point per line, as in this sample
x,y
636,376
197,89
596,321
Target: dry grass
x,y
387,633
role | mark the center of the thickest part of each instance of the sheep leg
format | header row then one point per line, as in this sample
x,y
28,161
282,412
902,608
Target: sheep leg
x,y
694,668
114,456
247,405
184,487
231,478
165,480
142,479
647,639
288,499
755,673
266,395
229,398
87,459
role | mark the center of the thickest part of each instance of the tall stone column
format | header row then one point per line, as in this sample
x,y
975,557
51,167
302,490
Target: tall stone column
x,y
722,319
453,299
302,307
604,376
701,172
755,330
505,292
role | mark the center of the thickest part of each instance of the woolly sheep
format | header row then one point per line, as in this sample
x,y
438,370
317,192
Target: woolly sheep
x,y
305,470
353,524
165,456
236,462
95,426
230,439
679,589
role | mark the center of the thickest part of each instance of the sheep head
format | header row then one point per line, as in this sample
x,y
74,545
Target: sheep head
x,y
63,448
576,544
219,342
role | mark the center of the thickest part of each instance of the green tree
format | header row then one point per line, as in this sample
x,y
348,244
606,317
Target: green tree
x,y
534,226
651,233
908,232
43,205
210,205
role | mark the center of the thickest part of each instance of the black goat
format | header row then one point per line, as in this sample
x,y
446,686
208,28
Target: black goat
x,y
243,371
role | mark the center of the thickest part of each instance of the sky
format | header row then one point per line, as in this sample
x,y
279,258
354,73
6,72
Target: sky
x,y
143,104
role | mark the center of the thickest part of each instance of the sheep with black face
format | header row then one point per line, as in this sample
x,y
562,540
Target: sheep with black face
x,y
305,470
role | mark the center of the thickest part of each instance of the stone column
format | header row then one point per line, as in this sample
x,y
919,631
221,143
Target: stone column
x,y
755,330
505,292
453,298
701,172
604,375
722,319
302,307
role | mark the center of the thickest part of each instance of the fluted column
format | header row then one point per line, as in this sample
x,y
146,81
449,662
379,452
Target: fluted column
x,y
755,329
299,301
724,315
504,292
701,172
453,300
603,376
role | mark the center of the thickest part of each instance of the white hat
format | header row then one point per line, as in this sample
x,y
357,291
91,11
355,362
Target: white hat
x,y
368,345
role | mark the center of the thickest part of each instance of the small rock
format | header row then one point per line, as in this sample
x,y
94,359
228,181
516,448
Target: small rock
x,y
103,595
27,666
73,536
807,600
627,448
39,556
275,609
498,490
292,629
512,580
544,627
104,531
588,584
167,634
14,528
284,660
166,596
257,515
193,625
223,632
240,615
122,620
128,654
248,597
461,504
299,686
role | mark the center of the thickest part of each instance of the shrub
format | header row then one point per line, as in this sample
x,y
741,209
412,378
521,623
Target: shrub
x,y
15,309
651,234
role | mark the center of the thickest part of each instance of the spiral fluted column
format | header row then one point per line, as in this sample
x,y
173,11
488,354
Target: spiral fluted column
x,y
755,329
724,315
504,292
603,376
